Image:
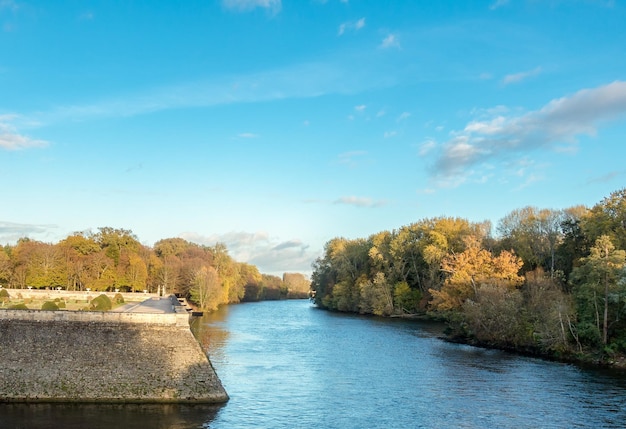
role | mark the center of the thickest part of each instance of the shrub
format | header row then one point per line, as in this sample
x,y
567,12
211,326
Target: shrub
x,y
100,303
118,298
61,304
4,295
49,306
18,307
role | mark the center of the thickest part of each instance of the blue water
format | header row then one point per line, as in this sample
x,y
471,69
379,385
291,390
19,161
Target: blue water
x,y
289,365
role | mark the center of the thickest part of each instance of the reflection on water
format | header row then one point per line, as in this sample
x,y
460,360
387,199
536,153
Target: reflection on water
x,y
101,416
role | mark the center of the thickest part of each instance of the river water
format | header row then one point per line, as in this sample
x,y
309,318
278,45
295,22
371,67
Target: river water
x,y
289,365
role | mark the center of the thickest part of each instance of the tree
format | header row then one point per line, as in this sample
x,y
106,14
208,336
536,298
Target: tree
x,y
600,278
376,296
608,217
534,234
550,311
133,271
5,267
297,284
76,249
470,269
205,289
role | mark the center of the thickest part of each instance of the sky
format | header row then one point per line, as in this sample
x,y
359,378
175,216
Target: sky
x,y
274,126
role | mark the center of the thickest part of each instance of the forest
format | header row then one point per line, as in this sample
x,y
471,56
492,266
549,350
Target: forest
x,y
549,282
113,259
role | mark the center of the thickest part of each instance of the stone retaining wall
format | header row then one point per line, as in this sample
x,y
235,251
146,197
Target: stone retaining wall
x,y
80,295
67,356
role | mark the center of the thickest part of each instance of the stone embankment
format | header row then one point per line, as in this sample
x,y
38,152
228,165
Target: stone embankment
x,y
145,355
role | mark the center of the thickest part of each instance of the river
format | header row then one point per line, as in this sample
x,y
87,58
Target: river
x,y
289,365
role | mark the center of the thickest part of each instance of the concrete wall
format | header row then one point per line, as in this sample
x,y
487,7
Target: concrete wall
x,y
67,356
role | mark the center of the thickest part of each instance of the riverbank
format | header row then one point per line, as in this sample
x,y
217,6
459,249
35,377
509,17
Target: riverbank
x,y
583,359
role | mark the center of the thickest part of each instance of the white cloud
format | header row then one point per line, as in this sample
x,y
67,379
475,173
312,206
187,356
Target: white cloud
x,y
352,158
297,81
11,139
351,26
360,107
389,134
518,77
559,122
391,41
359,202
10,232
381,113
403,116
498,3
247,135
86,16
271,255
248,5
426,147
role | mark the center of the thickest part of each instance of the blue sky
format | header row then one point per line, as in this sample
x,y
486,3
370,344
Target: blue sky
x,y
274,126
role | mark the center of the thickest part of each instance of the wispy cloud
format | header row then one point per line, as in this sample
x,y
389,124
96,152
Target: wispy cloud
x,y
498,3
351,26
86,16
390,41
558,122
296,81
8,5
247,5
359,201
11,139
389,134
10,232
518,77
271,255
427,147
247,135
352,158
360,107
605,178
403,116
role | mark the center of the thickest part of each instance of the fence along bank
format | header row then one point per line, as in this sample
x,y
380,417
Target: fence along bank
x,y
85,356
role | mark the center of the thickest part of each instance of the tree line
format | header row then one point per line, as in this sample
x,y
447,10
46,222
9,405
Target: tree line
x,y
114,259
550,281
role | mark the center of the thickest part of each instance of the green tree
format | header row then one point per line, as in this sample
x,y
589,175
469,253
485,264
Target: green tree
x,y
534,234
600,284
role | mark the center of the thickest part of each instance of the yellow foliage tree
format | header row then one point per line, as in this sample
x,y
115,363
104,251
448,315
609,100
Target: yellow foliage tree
x,y
470,269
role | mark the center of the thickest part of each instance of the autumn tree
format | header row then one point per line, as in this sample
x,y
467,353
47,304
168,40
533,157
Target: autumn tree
x,y
469,270
5,267
297,285
76,249
205,290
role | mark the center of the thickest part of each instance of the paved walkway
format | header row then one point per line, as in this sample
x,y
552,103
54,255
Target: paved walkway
x,y
153,305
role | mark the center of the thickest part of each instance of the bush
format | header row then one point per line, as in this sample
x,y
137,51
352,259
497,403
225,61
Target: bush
x,y
61,304
100,303
49,306
118,298
4,294
18,307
